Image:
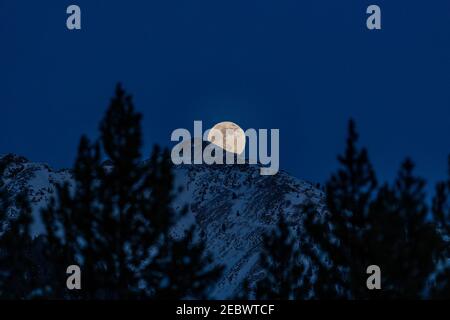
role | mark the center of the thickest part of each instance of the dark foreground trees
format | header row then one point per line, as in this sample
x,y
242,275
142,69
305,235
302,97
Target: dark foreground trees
x,y
18,274
115,222
389,226
286,273
441,212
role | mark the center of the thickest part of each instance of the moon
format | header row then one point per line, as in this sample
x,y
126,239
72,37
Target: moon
x,y
233,137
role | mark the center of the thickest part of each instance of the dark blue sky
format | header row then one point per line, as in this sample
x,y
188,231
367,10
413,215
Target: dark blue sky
x,y
304,67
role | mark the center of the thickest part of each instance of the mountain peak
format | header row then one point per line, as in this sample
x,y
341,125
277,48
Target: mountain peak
x,y
232,205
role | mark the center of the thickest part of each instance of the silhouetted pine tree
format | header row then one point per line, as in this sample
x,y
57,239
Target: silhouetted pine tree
x,y
72,221
182,270
17,280
403,239
364,227
340,235
319,247
441,212
116,221
286,276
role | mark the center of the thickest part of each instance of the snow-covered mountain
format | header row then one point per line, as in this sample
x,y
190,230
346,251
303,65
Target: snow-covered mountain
x,y
233,205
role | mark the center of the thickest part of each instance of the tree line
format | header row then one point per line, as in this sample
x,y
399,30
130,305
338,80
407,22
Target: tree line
x,y
365,223
115,222
116,219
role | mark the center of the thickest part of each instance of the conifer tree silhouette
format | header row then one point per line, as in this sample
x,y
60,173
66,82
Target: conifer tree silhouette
x,y
441,213
117,220
348,195
367,226
16,267
285,274
72,220
403,240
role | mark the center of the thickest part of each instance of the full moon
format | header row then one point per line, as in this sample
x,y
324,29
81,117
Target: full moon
x,y
233,137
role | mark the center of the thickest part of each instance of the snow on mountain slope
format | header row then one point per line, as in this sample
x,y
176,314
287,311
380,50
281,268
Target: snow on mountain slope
x,y
38,180
233,206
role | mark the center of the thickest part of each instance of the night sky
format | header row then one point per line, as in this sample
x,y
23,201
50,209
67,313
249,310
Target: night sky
x,y
304,67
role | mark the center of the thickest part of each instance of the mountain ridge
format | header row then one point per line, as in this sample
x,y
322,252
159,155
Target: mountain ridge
x,y
232,205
